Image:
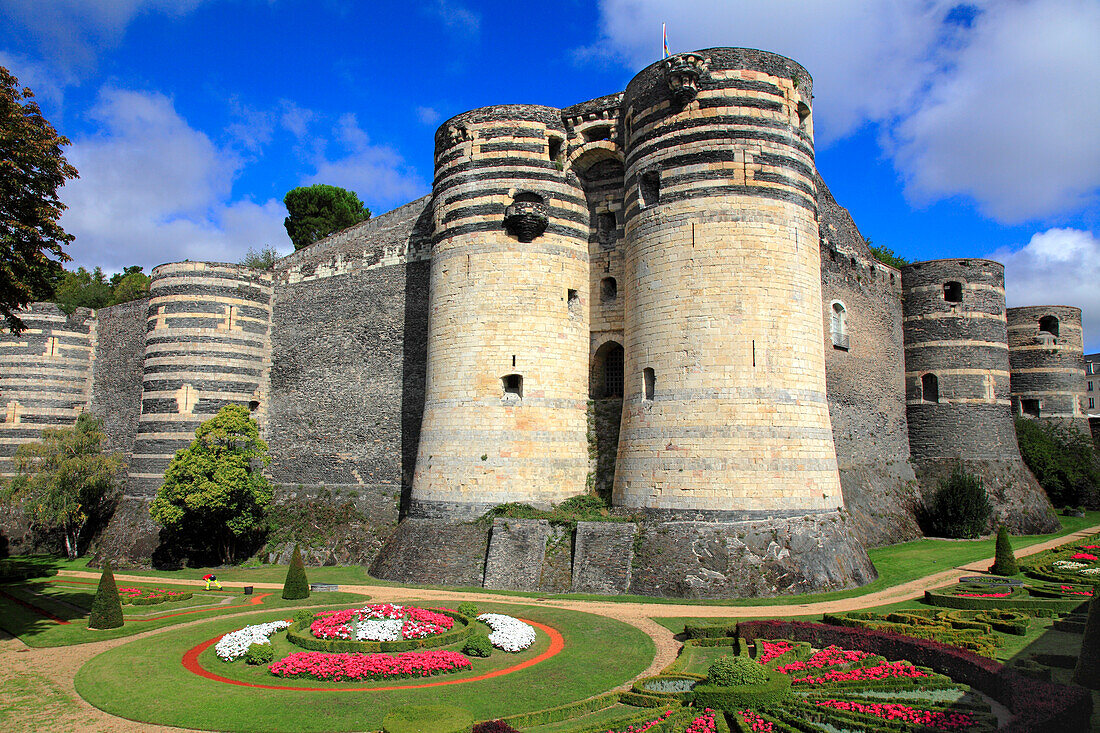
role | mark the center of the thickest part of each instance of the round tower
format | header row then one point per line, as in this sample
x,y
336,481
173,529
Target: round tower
x,y
507,376
1046,353
725,412
957,385
45,375
207,345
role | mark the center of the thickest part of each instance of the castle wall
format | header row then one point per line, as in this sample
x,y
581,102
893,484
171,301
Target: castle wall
x,y
505,406
723,295
864,368
117,372
1048,369
957,386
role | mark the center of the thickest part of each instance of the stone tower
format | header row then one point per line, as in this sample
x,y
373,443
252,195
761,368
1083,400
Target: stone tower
x,y
1046,350
957,386
725,413
507,376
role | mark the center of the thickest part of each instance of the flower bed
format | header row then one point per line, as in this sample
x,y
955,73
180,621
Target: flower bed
x,y
234,645
969,629
509,634
355,667
1029,597
1074,563
380,628
933,719
150,596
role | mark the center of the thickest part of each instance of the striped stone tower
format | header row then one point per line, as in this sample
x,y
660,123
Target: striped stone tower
x,y
45,375
725,412
1046,353
957,385
507,377
207,345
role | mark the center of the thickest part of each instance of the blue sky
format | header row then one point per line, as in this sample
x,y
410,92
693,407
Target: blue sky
x,y
947,129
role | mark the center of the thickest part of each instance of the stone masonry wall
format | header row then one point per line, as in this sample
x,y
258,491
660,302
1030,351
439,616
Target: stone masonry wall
x,y
864,367
117,372
1048,368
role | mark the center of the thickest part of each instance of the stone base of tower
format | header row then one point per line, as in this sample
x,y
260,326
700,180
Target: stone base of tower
x,y
882,501
1018,500
131,538
659,555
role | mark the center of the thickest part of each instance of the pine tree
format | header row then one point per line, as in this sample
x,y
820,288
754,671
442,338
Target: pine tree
x,y
1087,673
1004,563
296,585
106,607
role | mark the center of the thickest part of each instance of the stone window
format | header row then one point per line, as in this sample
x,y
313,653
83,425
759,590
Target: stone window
x,y
1092,403
1048,324
573,301
609,289
554,149
649,382
253,405
930,388
953,291
650,186
838,325
803,113
513,385
1090,386
605,221
1030,407
597,132
607,372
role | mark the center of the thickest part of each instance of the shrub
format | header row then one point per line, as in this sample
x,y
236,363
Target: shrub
x,y
1004,563
296,586
478,646
959,507
260,654
303,617
427,719
730,671
494,726
1063,460
467,609
106,610
773,689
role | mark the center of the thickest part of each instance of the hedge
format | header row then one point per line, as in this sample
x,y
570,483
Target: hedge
x,y
732,699
1031,605
563,712
296,586
106,611
299,635
1035,705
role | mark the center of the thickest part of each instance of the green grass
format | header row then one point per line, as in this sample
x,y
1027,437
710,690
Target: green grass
x,y
607,717
599,654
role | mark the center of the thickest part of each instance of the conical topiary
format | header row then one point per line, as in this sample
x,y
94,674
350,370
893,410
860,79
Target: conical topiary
x,y
1087,673
1004,562
296,586
106,607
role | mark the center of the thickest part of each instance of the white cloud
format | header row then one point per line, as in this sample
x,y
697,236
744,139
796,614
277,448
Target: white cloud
x,y
48,86
457,17
1016,123
71,32
1057,267
427,115
992,99
153,189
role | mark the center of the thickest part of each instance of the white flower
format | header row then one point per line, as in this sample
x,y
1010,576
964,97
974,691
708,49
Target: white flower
x,y
509,634
379,629
235,644
1089,571
1068,565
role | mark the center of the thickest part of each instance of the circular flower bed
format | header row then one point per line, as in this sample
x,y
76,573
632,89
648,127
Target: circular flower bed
x,y
351,667
381,622
234,645
1075,563
509,634
150,596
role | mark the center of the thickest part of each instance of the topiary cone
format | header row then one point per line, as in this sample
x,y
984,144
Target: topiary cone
x,y
1004,562
1087,673
106,607
296,585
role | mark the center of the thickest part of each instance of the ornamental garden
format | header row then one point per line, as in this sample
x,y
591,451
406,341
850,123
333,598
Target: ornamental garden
x,y
979,652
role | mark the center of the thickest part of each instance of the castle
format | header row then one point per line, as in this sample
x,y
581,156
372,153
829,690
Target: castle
x,y
651,294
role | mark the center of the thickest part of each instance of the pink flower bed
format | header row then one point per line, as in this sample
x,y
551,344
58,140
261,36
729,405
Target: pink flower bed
x,y
346,667
755,722
418,622
984,595
642,727
1083,556
831,656
703,724
935,720
1090,547
769,650
1071,591
131,593
882,671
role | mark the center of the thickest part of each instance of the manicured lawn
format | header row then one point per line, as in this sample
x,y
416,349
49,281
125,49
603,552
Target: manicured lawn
x,y
599,654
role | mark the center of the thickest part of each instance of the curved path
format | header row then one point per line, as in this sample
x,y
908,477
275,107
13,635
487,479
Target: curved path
x,y
47,673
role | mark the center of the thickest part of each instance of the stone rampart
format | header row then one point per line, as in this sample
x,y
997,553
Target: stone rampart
x,y
1046,353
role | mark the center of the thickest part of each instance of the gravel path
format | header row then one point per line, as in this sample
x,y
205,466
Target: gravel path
x,y
37,690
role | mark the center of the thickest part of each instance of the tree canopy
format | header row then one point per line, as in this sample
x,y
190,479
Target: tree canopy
x,y
32,169
886,256
82,289
65,479
320,210
261,260
214,491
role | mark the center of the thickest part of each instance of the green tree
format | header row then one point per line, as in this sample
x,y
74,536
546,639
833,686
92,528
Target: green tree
x,y
32,169
1063,460
214,491
106,612
886,256
83,289
65,479
958,508
295,586
262,260
130,284
320,210
1004,562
